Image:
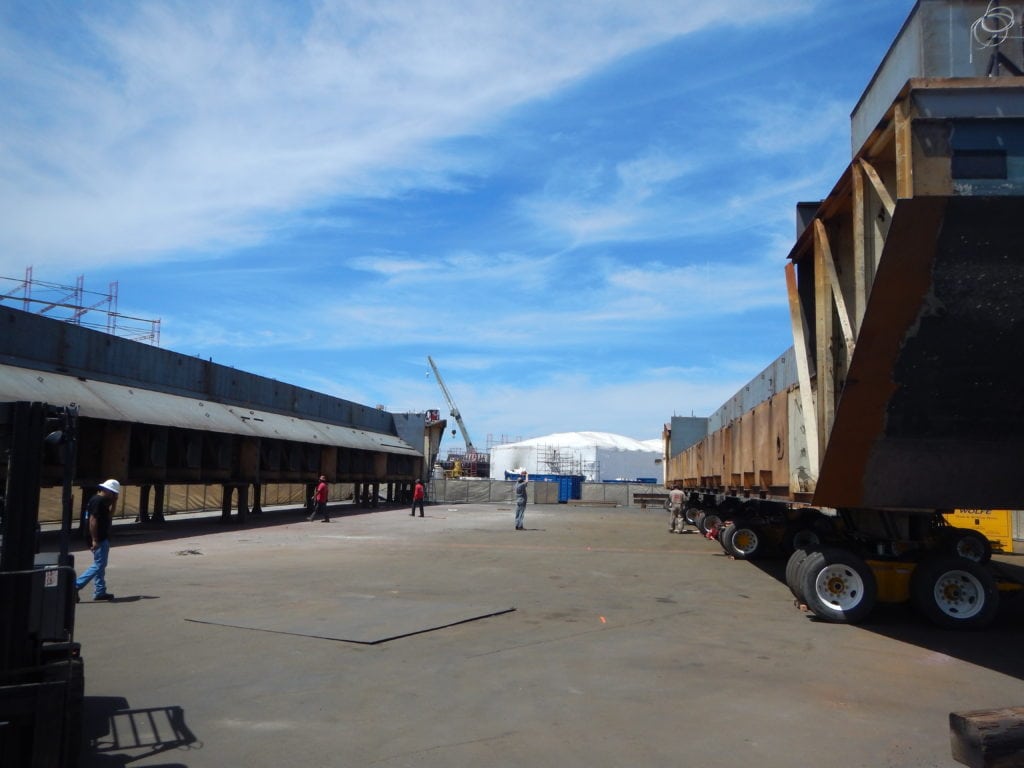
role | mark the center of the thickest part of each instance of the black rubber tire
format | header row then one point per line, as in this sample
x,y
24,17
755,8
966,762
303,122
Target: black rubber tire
x,y
954,592
690,514
838,586
968,544
814,559
709,520
744,542
725,535
793,569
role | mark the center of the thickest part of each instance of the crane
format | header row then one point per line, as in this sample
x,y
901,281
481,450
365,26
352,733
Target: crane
x,y
470,449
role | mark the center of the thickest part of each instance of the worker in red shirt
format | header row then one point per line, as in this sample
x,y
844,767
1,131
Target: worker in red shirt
x,y
320,501
417,498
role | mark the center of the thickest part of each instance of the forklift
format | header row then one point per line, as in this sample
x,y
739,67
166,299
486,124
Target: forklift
x,y
42,682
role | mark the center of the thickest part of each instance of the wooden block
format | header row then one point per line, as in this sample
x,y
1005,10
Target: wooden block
x,y
988,738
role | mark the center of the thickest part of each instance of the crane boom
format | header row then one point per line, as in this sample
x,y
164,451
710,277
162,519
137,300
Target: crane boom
x,y
451,406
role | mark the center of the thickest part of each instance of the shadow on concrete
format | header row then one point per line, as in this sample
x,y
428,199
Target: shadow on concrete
x,y
114,735
996,647
126,533
124,599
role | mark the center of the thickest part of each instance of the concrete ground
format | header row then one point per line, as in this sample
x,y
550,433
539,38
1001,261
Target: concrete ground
x,y
627,646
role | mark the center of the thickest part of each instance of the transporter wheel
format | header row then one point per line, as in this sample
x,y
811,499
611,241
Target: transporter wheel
x,y
710,521
970,545
725,535
838,586
954,592
742,541
691,514
793,571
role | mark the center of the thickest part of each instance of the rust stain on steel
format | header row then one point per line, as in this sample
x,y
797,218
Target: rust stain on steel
x,y
899,292
931,416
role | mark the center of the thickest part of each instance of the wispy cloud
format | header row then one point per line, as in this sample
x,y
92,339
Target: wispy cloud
x,y
175,127
582,209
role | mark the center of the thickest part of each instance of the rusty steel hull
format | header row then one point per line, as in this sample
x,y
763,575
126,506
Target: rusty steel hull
x,y
905,292
931,414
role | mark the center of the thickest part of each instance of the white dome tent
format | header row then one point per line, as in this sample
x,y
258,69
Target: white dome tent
x,y
597,456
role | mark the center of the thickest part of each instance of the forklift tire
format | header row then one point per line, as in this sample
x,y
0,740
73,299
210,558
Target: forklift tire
x,y
954,592
838,586
969,544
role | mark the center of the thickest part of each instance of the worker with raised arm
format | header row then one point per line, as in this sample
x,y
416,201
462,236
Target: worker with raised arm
x,y
521,486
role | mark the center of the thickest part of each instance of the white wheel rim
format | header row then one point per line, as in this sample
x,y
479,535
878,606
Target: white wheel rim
x,y
959,594
839,587
745,541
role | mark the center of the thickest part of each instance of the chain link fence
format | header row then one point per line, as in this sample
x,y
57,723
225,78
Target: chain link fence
x,y
199,498
483,491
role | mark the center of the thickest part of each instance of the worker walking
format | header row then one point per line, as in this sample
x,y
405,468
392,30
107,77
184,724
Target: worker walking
x,y
418,495
675,509
99,514
521,486
320,501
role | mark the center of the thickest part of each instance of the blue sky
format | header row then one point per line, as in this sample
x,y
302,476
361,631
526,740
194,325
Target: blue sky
x,y
580,210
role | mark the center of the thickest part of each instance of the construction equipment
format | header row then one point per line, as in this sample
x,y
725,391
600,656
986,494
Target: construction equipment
x,y
470,449
896,403
41,671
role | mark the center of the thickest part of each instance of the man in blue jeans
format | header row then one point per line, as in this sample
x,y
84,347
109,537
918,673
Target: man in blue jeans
x,y
99,517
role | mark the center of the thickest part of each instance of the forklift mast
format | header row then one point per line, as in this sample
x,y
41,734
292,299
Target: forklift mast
x,y
41,670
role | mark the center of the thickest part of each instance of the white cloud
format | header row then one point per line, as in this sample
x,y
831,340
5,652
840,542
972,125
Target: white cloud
x,y
196,126
791,125
390,266
642,176
565,403
579,403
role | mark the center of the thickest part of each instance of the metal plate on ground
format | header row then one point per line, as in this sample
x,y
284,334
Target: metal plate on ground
x,y
357,619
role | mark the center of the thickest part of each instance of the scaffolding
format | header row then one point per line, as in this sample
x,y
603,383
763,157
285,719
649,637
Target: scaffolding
x,y
73,304
559,460
466,465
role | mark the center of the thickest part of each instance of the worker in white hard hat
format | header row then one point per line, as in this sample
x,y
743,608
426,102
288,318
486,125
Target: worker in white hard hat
x,y
99,513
